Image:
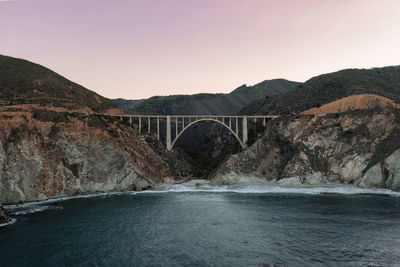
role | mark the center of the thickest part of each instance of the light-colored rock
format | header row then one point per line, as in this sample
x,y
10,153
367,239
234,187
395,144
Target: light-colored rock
x,y
392,164
52,159
334,149
372,178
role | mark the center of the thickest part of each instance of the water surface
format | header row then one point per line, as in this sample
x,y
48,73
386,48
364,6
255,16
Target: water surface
x,y
201,227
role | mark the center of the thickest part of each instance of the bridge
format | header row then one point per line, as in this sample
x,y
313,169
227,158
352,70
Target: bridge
x,y
183,122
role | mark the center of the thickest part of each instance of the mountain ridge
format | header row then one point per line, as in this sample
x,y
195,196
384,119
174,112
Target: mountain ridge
x,y
329,87
211,104
25,82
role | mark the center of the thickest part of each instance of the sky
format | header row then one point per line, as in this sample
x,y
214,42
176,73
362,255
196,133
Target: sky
x,y
135,49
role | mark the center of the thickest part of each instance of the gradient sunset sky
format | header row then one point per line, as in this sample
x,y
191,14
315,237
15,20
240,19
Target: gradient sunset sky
x,y
139,48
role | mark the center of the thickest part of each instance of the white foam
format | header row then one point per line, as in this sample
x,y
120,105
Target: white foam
x,y
59,199
31,210
260,189
206,188
13,220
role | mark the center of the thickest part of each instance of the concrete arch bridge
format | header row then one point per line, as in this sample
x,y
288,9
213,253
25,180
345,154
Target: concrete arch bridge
x,y
176,125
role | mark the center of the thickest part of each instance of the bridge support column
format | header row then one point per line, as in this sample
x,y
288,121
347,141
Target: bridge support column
x,y
130,121
140,124
168,141
244,132
176,127
264,122
237,126
148,125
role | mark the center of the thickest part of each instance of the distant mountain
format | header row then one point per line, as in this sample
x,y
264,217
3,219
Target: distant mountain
x,y
329,87
24,82
213,103
125,104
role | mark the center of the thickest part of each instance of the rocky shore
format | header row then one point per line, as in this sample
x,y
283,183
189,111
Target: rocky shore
x,y
4,218
359,148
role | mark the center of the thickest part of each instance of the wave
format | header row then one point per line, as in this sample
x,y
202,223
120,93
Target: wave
x,y
38,206
31,210
13,220
59,199
263,189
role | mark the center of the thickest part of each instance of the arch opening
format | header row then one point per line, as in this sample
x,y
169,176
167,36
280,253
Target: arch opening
x,y
202,120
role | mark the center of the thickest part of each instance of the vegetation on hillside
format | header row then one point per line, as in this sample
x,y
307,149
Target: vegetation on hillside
x,y
222,104
330,87
24,82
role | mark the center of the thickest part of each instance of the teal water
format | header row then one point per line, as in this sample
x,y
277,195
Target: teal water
x,y
206,229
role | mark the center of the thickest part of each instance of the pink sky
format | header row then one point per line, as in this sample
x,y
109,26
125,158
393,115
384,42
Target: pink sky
x,y
139,48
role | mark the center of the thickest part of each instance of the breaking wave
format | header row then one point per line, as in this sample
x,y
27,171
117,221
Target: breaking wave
x,y
39,206
260,189
13,220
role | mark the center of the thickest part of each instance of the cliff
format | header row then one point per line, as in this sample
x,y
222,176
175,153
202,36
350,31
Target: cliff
x,y
360,148
51,153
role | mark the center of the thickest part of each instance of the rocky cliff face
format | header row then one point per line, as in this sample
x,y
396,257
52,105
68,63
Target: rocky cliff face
x,y
44,153
361,148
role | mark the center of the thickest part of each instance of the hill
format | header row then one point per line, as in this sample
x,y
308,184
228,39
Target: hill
x,y
126,104
353,102
212,103
329,87
24,82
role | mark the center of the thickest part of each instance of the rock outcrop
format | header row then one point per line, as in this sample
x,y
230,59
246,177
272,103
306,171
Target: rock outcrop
x,y
44,153
4,218
361,148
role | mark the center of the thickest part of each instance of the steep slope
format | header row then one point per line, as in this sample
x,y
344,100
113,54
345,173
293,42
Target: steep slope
x,y
330,87
51,144
361,148
44,154
212,103
24,82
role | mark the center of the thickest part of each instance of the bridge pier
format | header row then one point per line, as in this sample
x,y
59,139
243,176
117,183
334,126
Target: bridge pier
x,y
168,141
244,132
237,126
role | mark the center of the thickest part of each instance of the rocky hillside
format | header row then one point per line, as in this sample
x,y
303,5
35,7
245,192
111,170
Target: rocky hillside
x,y
329,87
354,139
360,148
220,104
52,144
24,82
45,153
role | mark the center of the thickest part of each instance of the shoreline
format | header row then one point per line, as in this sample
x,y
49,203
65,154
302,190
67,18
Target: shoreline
x,y
203,185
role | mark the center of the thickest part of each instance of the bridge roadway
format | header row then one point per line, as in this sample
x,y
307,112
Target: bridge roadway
x,y
183,122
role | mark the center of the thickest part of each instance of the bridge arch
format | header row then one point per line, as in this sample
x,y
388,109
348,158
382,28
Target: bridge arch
x,y
207,119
